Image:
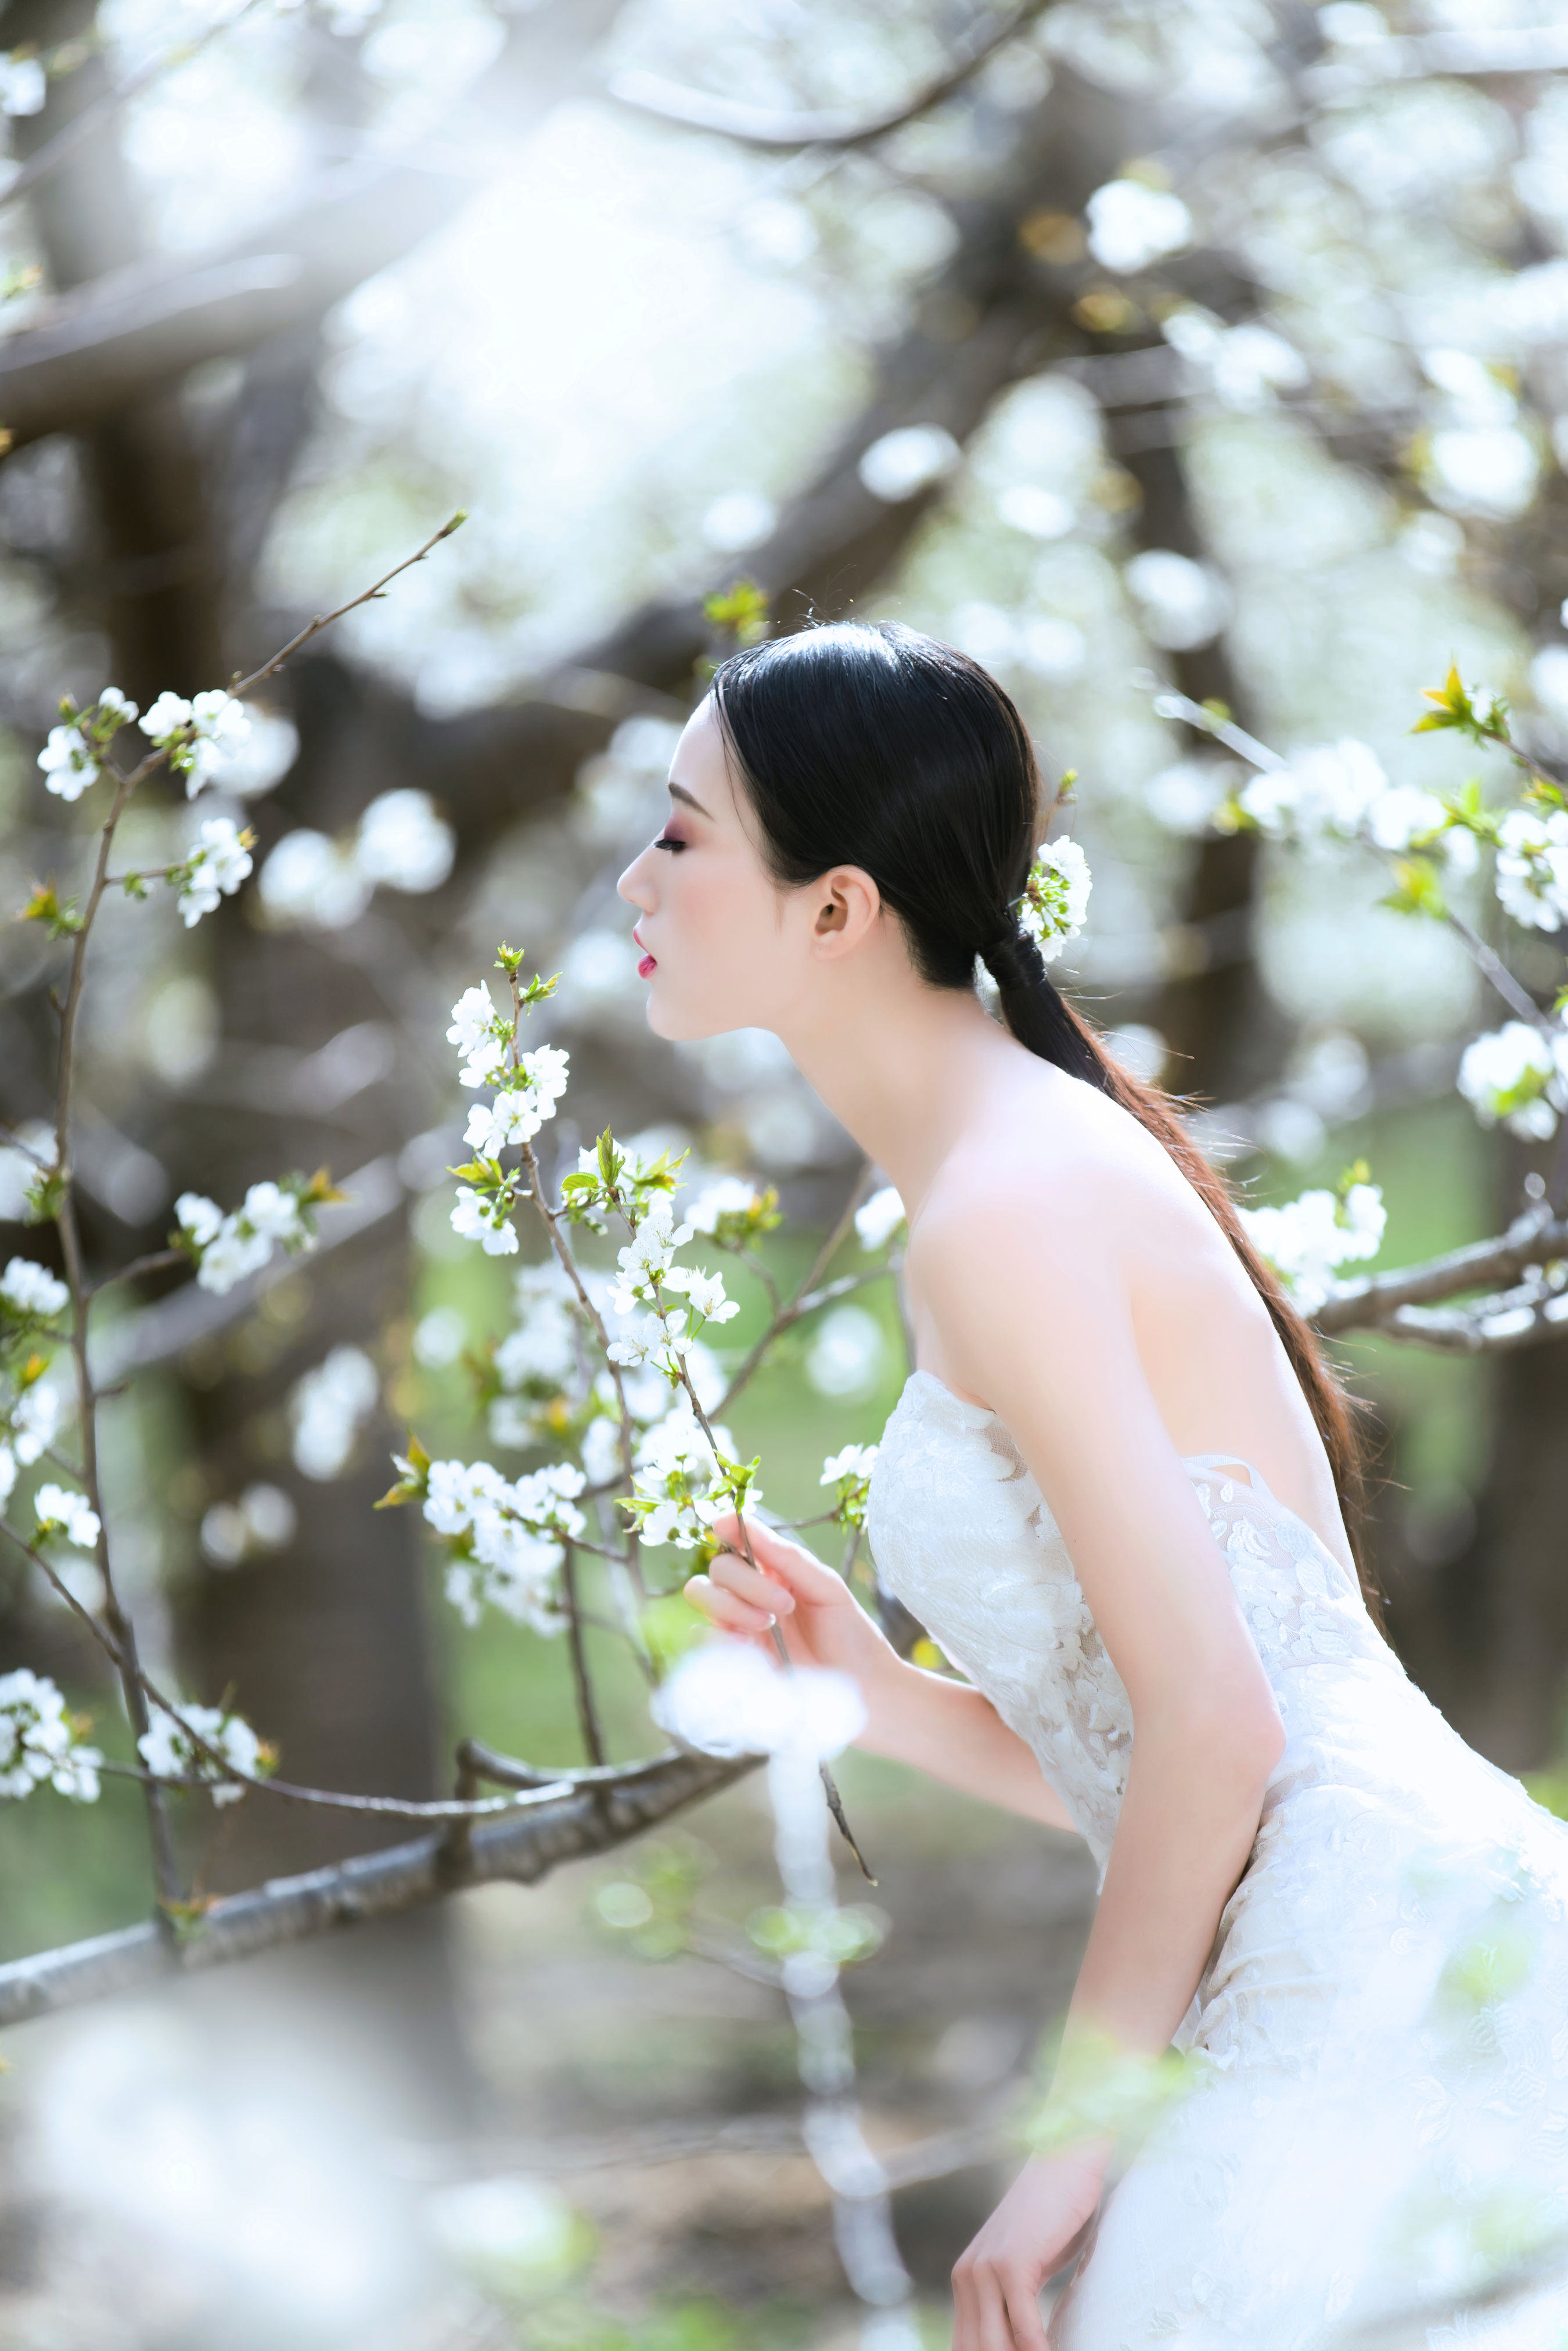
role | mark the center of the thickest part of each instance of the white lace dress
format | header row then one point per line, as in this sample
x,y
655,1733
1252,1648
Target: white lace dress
x,y
1374,2151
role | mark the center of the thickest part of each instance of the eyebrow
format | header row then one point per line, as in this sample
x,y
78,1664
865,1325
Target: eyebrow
x,y
679,792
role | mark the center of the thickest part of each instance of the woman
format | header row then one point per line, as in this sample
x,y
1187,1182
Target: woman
x,y
1121,1490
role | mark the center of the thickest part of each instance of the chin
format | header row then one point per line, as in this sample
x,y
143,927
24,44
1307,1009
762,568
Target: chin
x,y
685,1024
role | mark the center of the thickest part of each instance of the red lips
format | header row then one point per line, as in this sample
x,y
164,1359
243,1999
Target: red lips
x,y
644,966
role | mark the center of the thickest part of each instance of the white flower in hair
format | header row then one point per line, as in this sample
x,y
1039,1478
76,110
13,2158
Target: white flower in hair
x,y
1055,903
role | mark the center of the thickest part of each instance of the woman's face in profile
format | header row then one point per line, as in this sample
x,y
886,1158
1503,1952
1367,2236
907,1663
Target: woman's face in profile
x,y
718,934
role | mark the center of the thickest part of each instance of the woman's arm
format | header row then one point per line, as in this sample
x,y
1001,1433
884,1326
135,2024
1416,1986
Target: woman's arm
x,y
1034,1315
945,1728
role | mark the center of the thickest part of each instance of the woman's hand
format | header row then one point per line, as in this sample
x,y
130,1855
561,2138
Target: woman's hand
x,y
821,1622
1034,2230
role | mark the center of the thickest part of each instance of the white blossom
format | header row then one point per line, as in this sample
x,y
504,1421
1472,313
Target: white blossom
x,y
274,1213
197,735
68,762
38,1744
1306,1238
56,1506
908,460
454,1491
328,1408
119,705
1131,225
726,1698
1531,877
7,1474
309,878
201,1218
1518,1075
473,1032
479,1218
879,1218
1055,903
520,1110
727,1196
22,86
1329,787
32,1289
218,868
165,718
704,1292
34,1420
1405,813
170,1754
854,1462
646,1258
402,843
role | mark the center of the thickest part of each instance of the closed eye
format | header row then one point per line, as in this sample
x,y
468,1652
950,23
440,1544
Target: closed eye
x,y
667,840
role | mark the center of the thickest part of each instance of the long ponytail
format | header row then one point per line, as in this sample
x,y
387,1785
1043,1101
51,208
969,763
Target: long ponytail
x,y
870,745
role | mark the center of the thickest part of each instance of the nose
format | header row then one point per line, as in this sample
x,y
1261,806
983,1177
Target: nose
x,y
634,885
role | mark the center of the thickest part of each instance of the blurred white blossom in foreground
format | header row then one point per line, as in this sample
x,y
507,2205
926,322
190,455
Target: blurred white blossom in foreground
x,y
329,1406
725,1699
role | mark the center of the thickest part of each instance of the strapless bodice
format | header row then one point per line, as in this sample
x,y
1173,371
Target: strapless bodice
x,y
962,1533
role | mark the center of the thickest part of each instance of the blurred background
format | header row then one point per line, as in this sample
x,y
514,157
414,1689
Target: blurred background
x,y
1220,345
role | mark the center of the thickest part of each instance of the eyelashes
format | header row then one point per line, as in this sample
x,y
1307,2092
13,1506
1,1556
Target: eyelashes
x,y
667,840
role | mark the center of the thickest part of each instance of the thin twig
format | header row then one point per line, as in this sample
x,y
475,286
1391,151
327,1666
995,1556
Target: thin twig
x,y
325,619
587,1713
759,127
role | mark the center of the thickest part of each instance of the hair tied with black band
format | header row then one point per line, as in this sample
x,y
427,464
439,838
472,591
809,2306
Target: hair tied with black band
x,y
1014,962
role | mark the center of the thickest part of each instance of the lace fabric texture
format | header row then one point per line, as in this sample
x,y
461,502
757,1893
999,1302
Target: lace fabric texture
x,y
1373,2153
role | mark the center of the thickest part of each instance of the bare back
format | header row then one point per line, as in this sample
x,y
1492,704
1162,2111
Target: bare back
x,y
1214,1363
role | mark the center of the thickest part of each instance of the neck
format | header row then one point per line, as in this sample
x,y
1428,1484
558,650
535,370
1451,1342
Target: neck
x,y
902,1066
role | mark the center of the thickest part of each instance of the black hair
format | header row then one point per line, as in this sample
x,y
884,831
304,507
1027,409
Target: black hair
x,y
865,743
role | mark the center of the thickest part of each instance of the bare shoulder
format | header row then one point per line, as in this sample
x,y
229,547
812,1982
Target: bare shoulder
x,y
1046,1187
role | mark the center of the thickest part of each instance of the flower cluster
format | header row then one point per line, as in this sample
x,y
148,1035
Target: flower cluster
x,y
733,1212
529,1086
505,1543
39,1742
1518,1075
61,1512
646,1273
30,1292
216,866
224,1249
1339,791
1056,901
197,736
849,1473
171,1753
1533,864
608,1181
682,1484
542,1386
30,1297
73,757
1307,1238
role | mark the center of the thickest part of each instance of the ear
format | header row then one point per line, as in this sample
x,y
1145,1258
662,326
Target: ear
x,y
847,906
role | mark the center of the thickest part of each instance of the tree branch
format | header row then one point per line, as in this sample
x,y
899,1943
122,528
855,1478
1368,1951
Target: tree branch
x,y
1397,1302
762,127
591,1816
